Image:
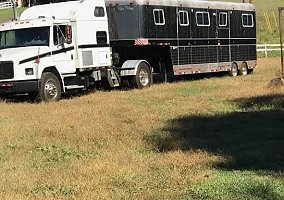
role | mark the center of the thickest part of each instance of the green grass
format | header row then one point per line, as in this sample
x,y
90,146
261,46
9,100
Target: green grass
x,y
7,14
237,185
209,138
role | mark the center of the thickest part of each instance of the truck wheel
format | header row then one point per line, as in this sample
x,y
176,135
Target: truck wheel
x,y
143,77
50,88
244,69
234,70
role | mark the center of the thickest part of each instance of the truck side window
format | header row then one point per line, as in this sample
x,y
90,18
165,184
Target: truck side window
x,y
99,12
101,37
3,39
60,34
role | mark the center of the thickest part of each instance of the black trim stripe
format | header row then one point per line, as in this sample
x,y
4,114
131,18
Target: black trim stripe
x,y
35,57
85,46
122,69
61,51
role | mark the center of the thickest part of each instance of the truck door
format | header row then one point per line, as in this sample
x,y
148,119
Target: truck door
x,y
63,49
223,35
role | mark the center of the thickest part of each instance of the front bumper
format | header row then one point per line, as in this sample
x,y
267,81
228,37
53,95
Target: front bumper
x,y
19,87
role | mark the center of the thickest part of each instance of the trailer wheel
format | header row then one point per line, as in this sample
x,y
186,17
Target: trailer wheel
x,y
234,70
250,71
244,69
143,77
50,88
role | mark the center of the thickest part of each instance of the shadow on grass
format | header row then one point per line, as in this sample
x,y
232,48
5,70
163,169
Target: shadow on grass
x,y
253,139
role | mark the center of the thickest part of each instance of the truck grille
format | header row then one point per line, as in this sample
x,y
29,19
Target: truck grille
x,y
6,70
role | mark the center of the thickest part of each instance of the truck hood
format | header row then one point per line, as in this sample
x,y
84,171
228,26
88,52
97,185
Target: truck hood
x,y
21,54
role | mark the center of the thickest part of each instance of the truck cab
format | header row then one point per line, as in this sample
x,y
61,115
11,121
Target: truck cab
x,y
53,48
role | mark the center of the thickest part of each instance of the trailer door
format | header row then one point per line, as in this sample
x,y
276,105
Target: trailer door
x,y
183,36
183,24
223,35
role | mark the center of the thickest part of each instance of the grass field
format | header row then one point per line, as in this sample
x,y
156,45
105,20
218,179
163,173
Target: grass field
x,y
211,138
7,14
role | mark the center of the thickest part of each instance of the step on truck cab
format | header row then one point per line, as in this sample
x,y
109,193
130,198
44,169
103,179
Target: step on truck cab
x,y
56,47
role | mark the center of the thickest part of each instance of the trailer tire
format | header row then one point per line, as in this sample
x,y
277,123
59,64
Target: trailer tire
x,y
250,71
143,77
244,69
234,70
50,87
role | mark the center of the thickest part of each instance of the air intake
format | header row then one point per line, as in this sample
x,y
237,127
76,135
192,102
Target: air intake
x,y
6,70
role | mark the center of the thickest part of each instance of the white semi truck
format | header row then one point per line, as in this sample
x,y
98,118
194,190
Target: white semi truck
x,y
64,46
56,47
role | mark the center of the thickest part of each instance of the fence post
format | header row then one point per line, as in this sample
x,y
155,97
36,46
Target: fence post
x,y
281,38
265,50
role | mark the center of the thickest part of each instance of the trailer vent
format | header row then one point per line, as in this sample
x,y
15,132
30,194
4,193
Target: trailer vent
x,y
87,58
6,70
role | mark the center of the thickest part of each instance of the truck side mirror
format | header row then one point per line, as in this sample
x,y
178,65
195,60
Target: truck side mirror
x,y
68,34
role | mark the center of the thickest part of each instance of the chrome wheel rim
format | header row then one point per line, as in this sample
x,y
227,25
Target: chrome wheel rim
x,y
234,71
144,77
50,89
244,71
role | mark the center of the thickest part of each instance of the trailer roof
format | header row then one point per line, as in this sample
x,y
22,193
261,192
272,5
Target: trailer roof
x,y
187,3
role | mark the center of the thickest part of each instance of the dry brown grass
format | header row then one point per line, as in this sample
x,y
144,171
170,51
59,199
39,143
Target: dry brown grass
x,y
97,146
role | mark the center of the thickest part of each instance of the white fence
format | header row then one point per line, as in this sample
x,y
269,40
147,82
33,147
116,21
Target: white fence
x,y
265,48
4,5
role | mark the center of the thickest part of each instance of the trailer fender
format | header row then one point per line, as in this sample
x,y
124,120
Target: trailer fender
x,y
129,67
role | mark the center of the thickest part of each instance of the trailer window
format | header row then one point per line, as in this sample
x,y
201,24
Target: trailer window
x,y
99,12
202,18
183,18
159,16
247,20
223,19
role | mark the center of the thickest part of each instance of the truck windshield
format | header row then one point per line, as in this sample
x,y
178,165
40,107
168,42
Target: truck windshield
x,y
38,36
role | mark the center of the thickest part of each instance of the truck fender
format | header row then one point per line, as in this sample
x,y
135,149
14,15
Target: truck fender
x,y
129,67
54,70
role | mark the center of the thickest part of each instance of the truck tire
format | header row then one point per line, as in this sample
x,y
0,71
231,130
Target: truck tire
x,y
234,70
143,77
244,69
50,88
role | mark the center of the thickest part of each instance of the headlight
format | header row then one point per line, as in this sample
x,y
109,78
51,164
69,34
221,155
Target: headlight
x,y
29,71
